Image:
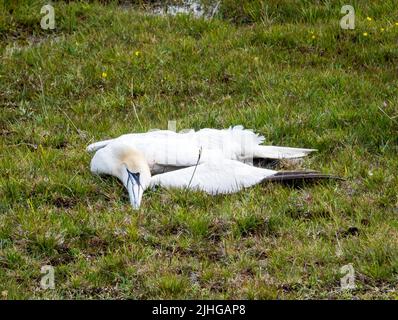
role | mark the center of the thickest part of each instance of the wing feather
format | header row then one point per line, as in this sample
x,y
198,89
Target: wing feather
x,y
226,176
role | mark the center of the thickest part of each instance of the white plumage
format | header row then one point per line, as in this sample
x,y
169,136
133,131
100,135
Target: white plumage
x,y
210,160
164,149
224,176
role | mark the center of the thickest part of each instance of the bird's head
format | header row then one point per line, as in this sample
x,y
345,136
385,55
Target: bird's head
x,y
127,164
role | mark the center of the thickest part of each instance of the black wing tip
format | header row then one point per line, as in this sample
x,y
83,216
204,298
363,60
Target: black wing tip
x,y
301,177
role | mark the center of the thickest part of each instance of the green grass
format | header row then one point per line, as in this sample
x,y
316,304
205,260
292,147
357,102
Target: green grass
x,y
337,93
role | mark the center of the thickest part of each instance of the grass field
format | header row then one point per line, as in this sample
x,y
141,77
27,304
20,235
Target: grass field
x,y
283,68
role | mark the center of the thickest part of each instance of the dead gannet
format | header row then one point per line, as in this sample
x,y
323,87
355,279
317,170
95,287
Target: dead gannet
x,y
166,150
215,175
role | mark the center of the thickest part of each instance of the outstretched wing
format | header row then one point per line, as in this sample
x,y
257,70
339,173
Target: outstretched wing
x,y
225,176
164,150
131,138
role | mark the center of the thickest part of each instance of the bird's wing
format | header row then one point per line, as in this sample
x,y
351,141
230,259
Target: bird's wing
x,y
232,142
275,152
238,143
224,176
171,151
132,138
167,149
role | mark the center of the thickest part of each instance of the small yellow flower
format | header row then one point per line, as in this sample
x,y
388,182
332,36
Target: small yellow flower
x,y
396,23
369,18
382,29
137,53
313,37
104,75
365,34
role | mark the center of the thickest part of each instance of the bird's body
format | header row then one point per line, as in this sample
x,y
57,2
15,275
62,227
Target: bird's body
x,y
166,150
210,160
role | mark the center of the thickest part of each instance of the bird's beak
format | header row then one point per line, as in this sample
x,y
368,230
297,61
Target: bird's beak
x,y
134,189
135,194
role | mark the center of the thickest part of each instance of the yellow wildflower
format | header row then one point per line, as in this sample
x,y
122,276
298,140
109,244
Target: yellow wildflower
x,y
137,53
369,18
104,75
365,34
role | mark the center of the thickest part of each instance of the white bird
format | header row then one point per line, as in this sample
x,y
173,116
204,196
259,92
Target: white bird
x,y
202,164
166,150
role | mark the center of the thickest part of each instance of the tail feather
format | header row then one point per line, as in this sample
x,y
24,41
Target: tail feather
x,y
275,152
